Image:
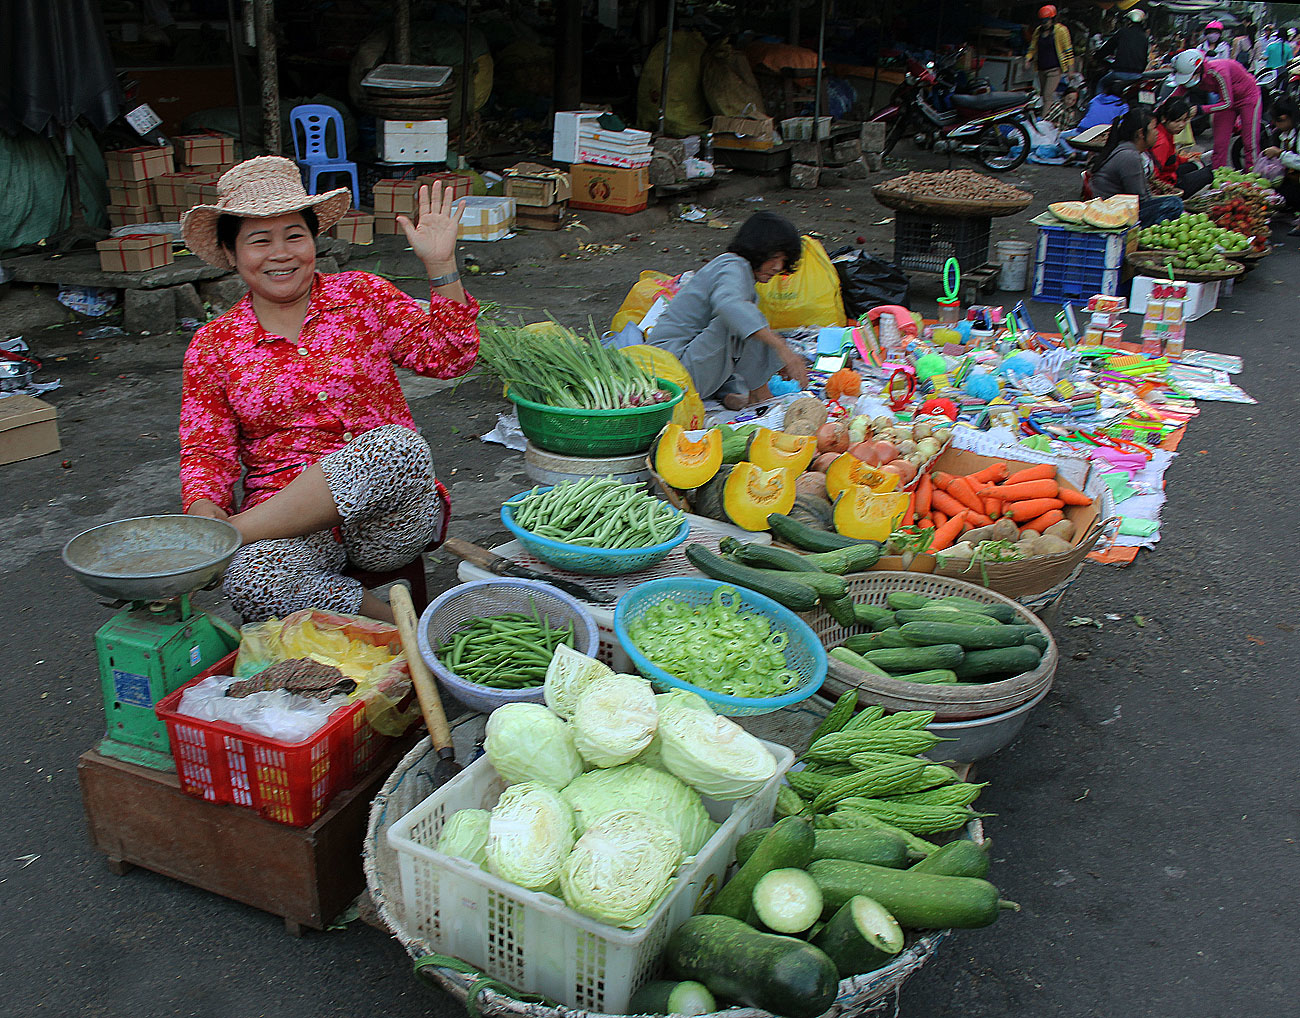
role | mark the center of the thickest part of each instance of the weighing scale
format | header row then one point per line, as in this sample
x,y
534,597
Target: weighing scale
x,y
158,642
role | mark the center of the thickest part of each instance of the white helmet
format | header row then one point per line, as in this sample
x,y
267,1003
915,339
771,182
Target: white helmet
x,y
1136,16
1187,66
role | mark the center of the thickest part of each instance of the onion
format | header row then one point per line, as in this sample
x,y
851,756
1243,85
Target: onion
x,y
866,451
832,437
905,470
886,451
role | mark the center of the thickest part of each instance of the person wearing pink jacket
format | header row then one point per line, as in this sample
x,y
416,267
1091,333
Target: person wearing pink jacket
x,y
1237,105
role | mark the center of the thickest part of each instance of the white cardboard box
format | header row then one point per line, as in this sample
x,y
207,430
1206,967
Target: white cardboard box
x,y
487,218
567,137
1202,298
412,141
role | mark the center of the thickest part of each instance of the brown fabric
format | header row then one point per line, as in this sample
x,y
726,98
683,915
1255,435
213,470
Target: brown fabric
x,y
302,675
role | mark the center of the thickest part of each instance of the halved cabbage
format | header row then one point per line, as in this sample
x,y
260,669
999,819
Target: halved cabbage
x,y
650,756
712,754
614,720
597,794
526,742
465,836
530,834
567,677
621,868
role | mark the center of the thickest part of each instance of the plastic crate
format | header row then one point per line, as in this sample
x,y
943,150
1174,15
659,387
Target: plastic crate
x,y
534,940
595,432
1070,266
925,243
289,782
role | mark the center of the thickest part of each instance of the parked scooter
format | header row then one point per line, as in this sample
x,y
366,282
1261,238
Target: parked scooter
x,y
992,128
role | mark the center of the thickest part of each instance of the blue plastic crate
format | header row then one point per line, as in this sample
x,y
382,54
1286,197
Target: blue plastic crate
x,y
1070,267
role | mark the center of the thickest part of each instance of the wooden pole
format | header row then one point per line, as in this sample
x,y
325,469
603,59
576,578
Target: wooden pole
x,y
241,149
264,23
402,31
668,60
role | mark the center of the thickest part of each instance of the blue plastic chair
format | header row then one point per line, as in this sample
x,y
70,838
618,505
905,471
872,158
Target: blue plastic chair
x,y
310,126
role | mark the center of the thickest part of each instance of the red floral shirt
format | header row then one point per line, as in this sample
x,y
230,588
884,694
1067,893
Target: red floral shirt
x,y
257,403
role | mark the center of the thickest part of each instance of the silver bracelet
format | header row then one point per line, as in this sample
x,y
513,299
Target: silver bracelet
x,y
447,280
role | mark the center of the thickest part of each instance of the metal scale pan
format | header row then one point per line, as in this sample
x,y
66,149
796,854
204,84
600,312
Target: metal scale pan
x,y
149,558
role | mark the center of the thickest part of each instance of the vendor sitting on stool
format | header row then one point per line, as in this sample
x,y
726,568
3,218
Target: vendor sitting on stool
x,y
713,325
294,388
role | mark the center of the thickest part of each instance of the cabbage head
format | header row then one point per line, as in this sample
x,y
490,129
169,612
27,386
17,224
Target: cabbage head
x,y
597,794
614,720
621,868
465,836
530,834
712,754
568,676
526,742
650,756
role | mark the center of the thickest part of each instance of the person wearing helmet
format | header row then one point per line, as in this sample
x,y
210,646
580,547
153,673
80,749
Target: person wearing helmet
x,y
1050,52
1213,44
1128,50
1236,101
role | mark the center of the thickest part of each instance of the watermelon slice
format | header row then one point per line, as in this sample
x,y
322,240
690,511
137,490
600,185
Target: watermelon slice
x,y
1068,211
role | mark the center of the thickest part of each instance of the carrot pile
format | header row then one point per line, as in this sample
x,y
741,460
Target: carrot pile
x,y
952,504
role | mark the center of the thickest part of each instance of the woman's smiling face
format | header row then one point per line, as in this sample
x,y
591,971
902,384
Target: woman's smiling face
x,y
276,256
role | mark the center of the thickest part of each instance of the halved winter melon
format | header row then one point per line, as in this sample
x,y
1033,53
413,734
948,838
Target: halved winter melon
x,y
1068,211
772,449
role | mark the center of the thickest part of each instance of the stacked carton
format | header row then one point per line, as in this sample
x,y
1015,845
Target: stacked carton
x,y
541,195
131,172
394,198
208,152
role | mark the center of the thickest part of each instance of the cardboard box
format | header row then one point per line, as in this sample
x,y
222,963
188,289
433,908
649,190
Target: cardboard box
x,y
743,143
567,135
131,193
205,149
131,215
610,188
537,186
136,252
412,141
487,218
171,213
29,427
142,163
753,129
386,225
356,228
197,193
530,217
173,188
1202,298
396,197
461,184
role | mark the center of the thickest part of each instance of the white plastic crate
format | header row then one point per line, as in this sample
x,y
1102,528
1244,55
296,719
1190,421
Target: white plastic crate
x,y
534,941
412,141
1202,298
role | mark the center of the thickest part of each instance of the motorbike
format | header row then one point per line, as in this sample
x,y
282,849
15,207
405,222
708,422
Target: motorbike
x,y
992,127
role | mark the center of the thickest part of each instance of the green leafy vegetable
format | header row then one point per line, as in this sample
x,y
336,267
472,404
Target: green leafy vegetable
x,y
530,834
621,868
598,793
465,836
526,742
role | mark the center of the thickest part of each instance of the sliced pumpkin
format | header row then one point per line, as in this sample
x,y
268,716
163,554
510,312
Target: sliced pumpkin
x,y
751,494
684,462
848,470
772,449
868,515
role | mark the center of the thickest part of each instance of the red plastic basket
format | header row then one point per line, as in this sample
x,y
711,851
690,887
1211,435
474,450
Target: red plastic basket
x,y
289,782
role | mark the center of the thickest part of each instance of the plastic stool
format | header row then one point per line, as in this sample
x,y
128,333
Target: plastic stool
x,y
412,573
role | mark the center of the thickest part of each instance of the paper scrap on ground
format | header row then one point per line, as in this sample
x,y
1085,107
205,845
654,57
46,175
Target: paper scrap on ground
x,y
507,433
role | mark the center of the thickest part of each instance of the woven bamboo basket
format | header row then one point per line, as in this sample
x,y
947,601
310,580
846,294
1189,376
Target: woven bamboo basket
x,y
1155,263
924,204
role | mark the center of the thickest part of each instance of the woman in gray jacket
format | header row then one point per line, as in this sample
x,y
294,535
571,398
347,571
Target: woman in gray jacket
x,y
1122,167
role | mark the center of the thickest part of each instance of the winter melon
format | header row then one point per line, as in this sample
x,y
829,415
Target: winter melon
x,y
1068,211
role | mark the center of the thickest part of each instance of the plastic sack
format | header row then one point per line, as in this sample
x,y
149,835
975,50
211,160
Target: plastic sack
x,y
272,713
689,413
686,111
867,281
368,652
645,291
808,296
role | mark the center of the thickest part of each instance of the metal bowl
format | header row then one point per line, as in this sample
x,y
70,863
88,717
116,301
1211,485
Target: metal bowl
x,y
152,557
15,375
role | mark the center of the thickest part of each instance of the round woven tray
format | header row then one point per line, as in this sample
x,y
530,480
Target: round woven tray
x,y
874,993
1248,257
915,201
1154,263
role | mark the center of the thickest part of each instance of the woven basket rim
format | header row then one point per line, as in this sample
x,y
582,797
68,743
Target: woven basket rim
x,y
1149,266
913,201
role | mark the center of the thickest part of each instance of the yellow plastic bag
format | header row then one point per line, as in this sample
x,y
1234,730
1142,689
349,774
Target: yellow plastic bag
x,y
645,291
689,413
809,296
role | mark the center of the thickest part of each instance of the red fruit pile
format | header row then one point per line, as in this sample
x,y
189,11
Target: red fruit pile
x,y
1247,215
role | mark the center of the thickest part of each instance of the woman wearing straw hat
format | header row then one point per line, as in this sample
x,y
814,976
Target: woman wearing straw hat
x,y
294,391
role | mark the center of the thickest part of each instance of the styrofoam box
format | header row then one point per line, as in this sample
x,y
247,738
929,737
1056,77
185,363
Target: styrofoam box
x,y
412,141
1202,298
567,136
535,941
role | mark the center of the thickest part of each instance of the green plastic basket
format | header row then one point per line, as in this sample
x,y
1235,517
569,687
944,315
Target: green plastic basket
x,y
595,432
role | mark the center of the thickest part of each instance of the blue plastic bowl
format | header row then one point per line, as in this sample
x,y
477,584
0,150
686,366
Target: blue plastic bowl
x,y
578,558
804,653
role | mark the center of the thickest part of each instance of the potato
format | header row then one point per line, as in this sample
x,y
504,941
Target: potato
x,y
1064,530
963,550
928,447
1050,544
882,423
980,534
906,446
1005,530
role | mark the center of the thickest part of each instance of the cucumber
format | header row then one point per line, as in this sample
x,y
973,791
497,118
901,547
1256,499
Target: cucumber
x,y
968,637
666,996
860,643
931,677
875,847
869,614
1007,661
787,901
860,937
852,559
905,660
793,532
885,622
901,600
961,858
778,974
1001,612
893,637
788,844
846,656
953,615
1031,635
919,901
841,610
779,586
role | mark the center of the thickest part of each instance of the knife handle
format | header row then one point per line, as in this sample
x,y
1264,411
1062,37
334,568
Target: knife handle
x,y
475,555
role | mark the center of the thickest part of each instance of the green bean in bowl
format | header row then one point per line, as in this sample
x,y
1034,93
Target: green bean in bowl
x,y
510,651
597,512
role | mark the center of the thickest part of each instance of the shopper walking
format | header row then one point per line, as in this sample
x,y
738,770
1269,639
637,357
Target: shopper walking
x,y
1050,53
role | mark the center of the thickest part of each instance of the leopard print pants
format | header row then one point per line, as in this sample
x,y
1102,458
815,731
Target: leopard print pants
x,y
393,508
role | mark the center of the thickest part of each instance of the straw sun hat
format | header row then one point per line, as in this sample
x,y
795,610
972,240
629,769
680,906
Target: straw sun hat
x,y
259,188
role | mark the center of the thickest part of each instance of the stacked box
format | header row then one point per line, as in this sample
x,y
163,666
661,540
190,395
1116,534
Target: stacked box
x,y
412,141
205,151
487,219
751,133
131,193
394,198
1164,323
355,228
610,189
131,215
538,186
132,176
135,252
461,185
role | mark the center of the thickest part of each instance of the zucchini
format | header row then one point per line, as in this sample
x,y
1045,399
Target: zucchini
x,y
929,677
778,974
787,901
780,587
952,615
846,656
918,659
961,858
766,556
848,819
879,848
666,996
838,717
1002,612
788,844
841,610
968,637
860,937
870,614
901,600
919,901
1008,661
793,532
